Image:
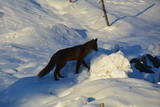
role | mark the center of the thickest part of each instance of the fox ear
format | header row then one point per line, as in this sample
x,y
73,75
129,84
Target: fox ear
x,y
96,39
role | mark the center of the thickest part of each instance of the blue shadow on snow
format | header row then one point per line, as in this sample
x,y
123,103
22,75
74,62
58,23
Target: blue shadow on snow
x,y
132,16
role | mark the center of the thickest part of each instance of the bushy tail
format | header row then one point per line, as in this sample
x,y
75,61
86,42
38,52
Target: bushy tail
x,y
47,69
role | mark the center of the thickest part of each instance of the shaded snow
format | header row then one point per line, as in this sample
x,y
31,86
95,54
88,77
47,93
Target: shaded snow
x,y
122,92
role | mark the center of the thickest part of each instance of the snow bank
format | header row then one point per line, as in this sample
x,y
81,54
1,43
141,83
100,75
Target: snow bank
x,y
48,93
154,48
114,65
121,92
43,36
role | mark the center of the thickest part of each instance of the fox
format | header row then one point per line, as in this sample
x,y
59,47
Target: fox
x,y
61,57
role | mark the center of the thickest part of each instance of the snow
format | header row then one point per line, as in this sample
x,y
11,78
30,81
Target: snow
x,y
31,31
118,66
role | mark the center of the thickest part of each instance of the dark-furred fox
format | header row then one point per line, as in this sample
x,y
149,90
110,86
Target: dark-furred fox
x,y
61,57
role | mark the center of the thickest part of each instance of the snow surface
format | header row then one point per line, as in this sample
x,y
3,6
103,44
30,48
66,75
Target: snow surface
x,y
31,31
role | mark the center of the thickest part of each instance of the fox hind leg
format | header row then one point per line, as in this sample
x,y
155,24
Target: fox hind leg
x,y
57,70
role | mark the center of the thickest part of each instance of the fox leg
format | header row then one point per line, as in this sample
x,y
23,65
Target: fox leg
x,y
84,63
57,71
78,65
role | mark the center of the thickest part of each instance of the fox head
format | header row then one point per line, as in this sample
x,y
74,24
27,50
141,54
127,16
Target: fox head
x,y
94,44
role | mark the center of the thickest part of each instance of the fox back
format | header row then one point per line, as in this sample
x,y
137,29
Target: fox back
x,y
76,53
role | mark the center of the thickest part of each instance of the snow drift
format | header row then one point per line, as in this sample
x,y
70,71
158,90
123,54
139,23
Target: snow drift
x,y
110,66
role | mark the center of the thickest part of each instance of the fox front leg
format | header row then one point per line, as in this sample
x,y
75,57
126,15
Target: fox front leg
x,y
78,65
84,64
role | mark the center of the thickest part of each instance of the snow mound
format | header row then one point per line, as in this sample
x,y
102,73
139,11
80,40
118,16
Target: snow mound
x,y
114,65
66,35
42,36
77,102
154,49
58,4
